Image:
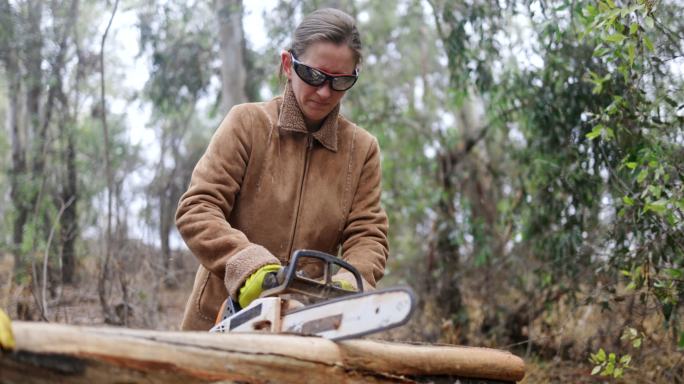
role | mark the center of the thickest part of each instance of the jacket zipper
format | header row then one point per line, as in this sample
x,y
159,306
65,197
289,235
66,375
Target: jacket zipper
x,y
309,145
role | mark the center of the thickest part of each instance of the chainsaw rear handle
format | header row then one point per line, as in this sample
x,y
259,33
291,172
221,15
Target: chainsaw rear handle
x,y
289,281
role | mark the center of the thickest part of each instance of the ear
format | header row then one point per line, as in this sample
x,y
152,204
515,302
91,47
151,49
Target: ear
x,y
286,63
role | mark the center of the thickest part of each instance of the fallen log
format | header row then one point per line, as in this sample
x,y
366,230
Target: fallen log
x,y
56,353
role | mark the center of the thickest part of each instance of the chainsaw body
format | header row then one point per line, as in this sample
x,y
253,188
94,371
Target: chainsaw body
x,y
329,311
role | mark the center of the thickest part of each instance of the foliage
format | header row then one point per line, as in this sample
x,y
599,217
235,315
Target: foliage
x,y
609,364
643,130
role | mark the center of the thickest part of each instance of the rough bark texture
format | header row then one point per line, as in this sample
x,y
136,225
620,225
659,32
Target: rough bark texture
x,y
233,73
63,353
10,58
69,181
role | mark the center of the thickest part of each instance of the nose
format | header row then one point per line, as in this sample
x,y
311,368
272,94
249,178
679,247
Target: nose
x,y
324,91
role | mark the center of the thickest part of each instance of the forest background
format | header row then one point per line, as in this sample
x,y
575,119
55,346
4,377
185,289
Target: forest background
x,y
533,159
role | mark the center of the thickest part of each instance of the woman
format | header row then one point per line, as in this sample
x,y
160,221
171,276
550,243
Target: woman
x,y
287,174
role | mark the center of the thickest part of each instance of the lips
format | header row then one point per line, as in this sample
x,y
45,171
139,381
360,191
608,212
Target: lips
x,y
318,105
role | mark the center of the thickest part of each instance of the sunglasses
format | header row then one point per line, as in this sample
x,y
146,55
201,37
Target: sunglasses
x,y
316,77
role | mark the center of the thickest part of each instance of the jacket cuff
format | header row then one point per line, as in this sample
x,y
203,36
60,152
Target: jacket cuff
x,y
243,264
348,276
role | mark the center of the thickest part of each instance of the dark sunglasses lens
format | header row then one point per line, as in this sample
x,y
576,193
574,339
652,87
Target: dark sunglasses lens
x,y
342,83
309,75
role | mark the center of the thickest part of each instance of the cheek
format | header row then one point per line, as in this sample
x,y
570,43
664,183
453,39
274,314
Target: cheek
x,y
301,92
337,96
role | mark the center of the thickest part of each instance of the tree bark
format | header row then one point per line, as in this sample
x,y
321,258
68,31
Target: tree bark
x,y
54,352
69,223
17,173
104,274
231,37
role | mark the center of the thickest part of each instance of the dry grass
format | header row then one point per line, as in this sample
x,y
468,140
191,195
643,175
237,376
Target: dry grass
x,y
152,303
559,342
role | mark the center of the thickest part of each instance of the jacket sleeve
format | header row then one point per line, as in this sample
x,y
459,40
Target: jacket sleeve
x,y
364,238
204,209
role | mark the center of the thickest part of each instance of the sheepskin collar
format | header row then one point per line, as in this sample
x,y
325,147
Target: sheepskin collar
x,y
292,119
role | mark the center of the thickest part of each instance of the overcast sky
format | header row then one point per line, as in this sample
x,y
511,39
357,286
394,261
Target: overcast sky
x,y
123,43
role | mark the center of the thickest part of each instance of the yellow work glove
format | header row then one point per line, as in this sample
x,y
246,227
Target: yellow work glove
x,y
344,284
254,284
6,337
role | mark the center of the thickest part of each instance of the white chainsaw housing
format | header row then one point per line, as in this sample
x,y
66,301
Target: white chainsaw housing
x,y
262,315
345,317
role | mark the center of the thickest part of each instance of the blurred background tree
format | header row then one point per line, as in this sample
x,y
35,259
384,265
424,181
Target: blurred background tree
x,y
532,157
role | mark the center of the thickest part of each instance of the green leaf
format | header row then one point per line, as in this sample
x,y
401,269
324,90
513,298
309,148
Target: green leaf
x,y
596,370
675,273
670,101
618,372
601,50
642,175
636,343
681,339
610,367
601,355
591,10
658,206
596,132
628,200
615,38
633,28
648,43
631,164
626,359
655,190
648,20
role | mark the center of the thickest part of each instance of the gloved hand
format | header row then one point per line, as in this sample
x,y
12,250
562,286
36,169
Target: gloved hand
x,y
6,337
344,284
253,286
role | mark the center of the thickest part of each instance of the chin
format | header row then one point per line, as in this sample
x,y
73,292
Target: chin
x,y
317,115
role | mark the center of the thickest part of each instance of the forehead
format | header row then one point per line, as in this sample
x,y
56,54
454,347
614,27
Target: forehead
x,y
329,57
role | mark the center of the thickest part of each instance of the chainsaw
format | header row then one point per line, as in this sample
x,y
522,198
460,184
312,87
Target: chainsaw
x,y
329,310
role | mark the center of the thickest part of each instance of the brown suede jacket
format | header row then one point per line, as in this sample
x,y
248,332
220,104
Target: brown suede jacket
x,y
266,187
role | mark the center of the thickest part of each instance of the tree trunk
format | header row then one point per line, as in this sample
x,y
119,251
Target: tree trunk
x,y
167,208
69,225
65,123
38,123
54,352
231,37
17,173
104,273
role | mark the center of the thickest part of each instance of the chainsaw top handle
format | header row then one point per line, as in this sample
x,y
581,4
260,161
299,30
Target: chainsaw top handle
x,y
289,280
